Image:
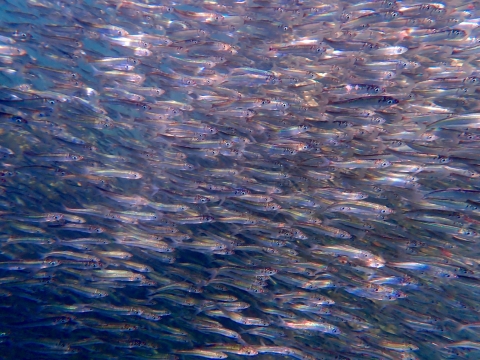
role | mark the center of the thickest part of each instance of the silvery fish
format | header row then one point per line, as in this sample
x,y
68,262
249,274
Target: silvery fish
x,y
272,179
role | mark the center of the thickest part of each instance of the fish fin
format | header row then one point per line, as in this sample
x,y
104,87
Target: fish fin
x,y
279,322
213,274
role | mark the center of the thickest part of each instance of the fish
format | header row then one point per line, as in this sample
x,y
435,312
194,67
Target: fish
x,y
271,179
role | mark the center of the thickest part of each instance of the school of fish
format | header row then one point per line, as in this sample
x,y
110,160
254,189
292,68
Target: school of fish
x,y
218,179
